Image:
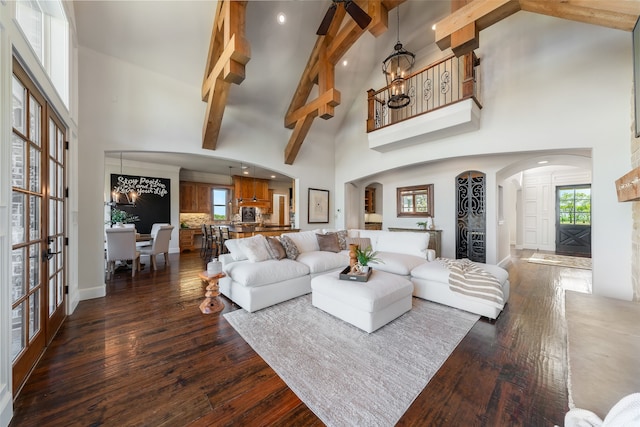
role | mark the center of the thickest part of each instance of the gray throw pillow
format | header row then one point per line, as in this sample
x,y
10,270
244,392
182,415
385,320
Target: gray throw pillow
x,y
275,248
342,239
289,247
328,242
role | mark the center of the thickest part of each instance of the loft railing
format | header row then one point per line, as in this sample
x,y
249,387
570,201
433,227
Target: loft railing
x,y
442,83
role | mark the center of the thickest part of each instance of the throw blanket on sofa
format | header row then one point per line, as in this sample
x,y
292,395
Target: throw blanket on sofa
x,y
468,279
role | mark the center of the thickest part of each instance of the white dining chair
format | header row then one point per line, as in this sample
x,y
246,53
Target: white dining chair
x,y
156,226
160,245
121,246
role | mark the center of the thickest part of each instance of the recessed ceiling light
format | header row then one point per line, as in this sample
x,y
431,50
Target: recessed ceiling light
x,y
282,18
345,63
543,162
246,172
273,176
433,27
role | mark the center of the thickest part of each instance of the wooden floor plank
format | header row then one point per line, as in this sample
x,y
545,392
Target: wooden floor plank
x,y
145,355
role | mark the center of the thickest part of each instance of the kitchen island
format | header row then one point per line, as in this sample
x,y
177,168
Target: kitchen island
x,y
238,231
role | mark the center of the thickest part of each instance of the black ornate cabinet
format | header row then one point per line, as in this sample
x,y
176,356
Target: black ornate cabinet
x,y
471,216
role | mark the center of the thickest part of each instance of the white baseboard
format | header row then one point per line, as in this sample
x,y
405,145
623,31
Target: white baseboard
x,y
6,407
91,293
72,301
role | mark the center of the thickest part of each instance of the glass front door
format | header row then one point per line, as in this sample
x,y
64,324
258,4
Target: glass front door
x,y
37,225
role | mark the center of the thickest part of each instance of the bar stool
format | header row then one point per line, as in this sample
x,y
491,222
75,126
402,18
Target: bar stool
x,y
207,242
215,241
224,236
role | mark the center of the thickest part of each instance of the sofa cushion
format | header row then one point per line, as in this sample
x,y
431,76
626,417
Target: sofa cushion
x,y
290,248
403,242
372,235
328,242
276,250
236,251
380,291
321,261
305,241
253,274
255,248
438,272
400,264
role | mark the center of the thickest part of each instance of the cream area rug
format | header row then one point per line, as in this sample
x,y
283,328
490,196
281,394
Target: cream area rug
x,y
346,376
561,260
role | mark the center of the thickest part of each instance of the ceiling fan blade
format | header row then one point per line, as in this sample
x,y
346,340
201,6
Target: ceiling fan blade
x,y
326,21
360,16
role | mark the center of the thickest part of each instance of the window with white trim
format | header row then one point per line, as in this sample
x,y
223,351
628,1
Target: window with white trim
x,y
46,28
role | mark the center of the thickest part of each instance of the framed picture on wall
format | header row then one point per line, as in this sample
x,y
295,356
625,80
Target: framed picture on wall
x,y
318,206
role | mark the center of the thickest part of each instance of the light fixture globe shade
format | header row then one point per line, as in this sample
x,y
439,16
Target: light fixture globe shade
x,y
397,68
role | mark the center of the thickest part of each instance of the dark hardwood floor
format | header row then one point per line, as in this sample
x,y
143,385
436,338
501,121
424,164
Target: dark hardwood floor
x,y
146,356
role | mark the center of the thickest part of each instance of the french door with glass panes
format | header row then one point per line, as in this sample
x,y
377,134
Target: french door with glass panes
x,y
37,224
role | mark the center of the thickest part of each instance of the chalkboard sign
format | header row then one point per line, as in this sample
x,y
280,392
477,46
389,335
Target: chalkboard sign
x,y
152,199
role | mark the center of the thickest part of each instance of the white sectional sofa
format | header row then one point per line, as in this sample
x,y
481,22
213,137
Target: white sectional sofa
x,y
255,280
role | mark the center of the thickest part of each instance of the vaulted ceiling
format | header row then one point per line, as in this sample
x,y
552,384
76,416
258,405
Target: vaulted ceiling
x,y
172,38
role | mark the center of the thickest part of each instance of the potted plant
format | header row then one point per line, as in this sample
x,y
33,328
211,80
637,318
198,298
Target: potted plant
x,y
119,217
366,256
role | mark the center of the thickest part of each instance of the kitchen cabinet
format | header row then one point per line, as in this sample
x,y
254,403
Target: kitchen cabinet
x,y
245,188
188,238
270,205
204,198
195,197
188,198
369,200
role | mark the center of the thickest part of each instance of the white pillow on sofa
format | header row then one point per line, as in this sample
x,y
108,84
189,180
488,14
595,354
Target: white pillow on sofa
x,y
305,241
255,248
404,242
236,251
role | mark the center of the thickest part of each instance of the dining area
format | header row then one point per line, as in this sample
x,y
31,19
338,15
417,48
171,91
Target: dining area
x,y
125,247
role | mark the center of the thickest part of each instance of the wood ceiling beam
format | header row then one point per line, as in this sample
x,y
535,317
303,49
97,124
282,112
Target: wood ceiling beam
x,y
213,116
483,13
617,14
460,30
320,70
229,52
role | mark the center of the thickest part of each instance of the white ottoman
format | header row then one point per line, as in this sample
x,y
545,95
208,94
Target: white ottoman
x,y
366,305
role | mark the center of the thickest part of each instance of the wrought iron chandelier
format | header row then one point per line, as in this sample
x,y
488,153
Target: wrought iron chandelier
x,y
396,68
118,192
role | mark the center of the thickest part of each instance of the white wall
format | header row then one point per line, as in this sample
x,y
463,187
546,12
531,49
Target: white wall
x,y
138,110
548,84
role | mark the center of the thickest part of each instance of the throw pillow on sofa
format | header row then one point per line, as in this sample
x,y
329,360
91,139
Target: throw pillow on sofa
x,y
328,242
289,247
275,248
342,239
363,242
236,251
255,248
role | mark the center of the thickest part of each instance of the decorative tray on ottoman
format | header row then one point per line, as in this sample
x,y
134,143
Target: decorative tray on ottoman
x,y
358,277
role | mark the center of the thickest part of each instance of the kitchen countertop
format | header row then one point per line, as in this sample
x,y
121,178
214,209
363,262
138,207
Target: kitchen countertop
x,y
249,229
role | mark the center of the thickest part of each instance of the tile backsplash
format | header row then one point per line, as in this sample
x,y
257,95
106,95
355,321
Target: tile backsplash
x,y
194,220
